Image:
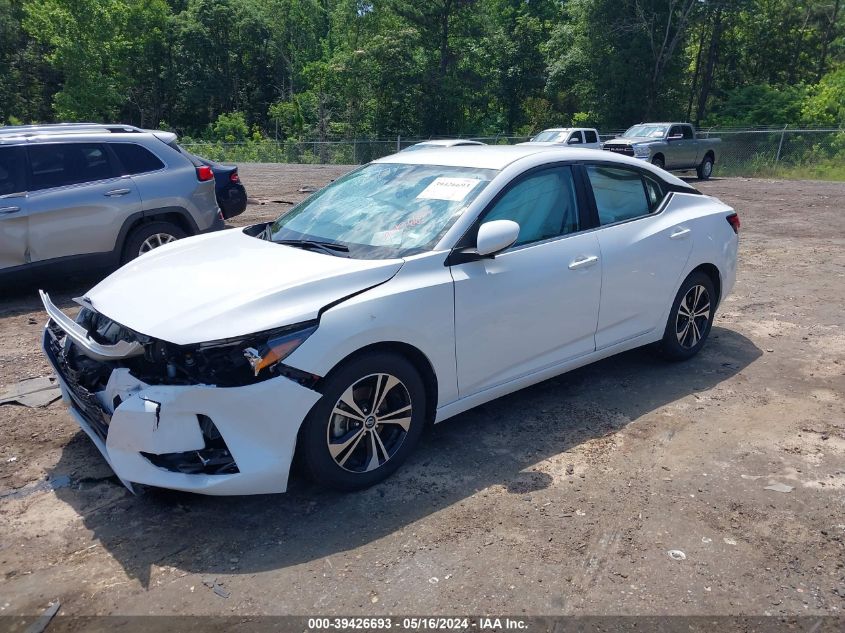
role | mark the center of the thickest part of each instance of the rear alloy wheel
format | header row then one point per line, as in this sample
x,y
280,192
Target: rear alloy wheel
x,y
154,241
690,318
150,236
366,424
705,169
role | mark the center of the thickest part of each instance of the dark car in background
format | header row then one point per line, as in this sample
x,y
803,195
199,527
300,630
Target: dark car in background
x,y
230,192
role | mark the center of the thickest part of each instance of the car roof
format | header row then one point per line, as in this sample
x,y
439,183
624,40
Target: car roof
x,y
500,156
482,156
11,134
446,142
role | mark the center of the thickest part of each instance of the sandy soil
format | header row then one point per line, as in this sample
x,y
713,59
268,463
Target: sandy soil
x,y
564,498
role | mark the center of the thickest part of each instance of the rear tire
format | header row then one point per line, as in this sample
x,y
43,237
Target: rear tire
x,y
690,318
368,421
657,161
149,236
705,169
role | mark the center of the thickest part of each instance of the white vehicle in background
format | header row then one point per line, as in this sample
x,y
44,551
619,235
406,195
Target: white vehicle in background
x,y
584,137
441,143
404,293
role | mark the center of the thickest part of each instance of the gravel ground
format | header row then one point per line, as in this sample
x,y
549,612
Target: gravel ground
x,y
564,498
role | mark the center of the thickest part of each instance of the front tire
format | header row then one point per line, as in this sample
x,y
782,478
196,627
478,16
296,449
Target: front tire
x,y
690,318
657,161
366,424
705,169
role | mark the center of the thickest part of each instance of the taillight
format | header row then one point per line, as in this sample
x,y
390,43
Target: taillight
x,y
234,176
204,173
733,220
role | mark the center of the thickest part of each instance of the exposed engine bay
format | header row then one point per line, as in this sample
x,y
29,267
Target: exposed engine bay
x,y
219,363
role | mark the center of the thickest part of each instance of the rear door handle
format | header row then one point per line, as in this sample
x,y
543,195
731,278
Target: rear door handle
x,y
117,192
9,209
583,262
679,234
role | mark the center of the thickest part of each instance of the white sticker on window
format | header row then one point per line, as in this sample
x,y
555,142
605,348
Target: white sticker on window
x,y
443,188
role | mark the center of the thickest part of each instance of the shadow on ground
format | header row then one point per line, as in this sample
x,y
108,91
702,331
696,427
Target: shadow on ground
x,y
491,445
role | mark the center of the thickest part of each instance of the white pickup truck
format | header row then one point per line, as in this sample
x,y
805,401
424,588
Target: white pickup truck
x,y
671,146
571,136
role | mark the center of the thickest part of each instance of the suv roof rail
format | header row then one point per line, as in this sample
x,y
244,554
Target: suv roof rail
x,y
66,128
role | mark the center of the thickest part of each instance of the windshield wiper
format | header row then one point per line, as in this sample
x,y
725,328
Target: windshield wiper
x,y
327,247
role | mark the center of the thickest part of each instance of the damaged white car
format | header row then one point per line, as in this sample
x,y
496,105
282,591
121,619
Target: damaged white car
x,y
404,293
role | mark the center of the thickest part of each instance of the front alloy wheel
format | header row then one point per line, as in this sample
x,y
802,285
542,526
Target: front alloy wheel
x,y
367,422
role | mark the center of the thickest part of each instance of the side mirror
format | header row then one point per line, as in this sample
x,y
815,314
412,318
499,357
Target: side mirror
x,y
675,137
496,236
574,141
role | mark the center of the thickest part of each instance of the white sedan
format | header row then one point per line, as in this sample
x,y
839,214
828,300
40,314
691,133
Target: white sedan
x,y
406,292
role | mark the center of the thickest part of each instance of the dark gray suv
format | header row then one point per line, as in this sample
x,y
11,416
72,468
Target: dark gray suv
x,y
86,196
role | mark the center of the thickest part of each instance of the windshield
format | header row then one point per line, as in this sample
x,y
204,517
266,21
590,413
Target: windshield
x,y
418,146
550,136
646,131
385,210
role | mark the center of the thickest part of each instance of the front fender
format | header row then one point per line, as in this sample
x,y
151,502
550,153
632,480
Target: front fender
x,y
416,307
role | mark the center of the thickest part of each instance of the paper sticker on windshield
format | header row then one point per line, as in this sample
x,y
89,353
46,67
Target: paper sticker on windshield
x,y
443,188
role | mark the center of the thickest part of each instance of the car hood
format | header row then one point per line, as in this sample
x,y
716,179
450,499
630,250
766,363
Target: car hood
x,y
632,140
228,284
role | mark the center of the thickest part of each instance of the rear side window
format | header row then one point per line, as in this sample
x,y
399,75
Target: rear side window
x,y
591,136
136,159
620,194
654,192
11,171
61,164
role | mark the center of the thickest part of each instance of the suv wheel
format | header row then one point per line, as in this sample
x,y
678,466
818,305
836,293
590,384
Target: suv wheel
x,y
149,236
657,161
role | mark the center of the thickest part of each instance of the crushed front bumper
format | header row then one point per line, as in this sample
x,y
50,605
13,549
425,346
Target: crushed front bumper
x,y
136,426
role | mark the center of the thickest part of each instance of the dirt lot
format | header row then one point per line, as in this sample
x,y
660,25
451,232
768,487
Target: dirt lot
x,y
564,498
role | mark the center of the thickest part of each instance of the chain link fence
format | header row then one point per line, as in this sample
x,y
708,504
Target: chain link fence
x,y
742,152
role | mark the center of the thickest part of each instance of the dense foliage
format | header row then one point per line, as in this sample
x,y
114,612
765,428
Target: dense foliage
x,y
232,70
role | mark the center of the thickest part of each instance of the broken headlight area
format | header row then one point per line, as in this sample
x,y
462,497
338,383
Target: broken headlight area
x,y
233,362
214,459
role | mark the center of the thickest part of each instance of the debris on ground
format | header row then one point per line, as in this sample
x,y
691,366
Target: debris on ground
x,y
779,487
45,618
676,554
32,392
50,483
212,583
307,189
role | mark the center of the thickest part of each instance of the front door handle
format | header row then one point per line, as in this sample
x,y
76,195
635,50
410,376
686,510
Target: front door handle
x,y
9,209
117,192
679,234
583,262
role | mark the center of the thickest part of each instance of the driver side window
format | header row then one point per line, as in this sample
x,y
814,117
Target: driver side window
x,y
543,204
